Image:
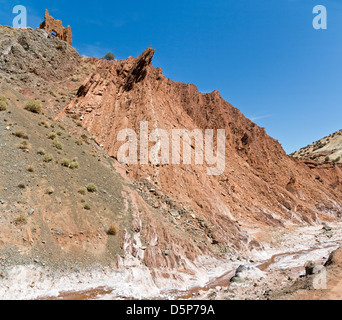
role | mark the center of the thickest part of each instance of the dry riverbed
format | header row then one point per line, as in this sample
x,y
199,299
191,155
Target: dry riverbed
x,y
276,267
284,265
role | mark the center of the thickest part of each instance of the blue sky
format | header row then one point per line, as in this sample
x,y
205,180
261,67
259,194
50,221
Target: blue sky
x,y
263,56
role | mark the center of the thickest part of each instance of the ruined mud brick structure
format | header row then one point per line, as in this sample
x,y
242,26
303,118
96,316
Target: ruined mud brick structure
x,y
56,26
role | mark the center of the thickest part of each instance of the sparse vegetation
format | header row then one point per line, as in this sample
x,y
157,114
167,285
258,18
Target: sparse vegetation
x,y
21,220
3,102
3,98
41,152
20,134
34,106
52,135
57,144
24,146
3,106
48,158
319,145
65,163
45,124
91,188
61,126
337,159
113,230
109,56
74,165
83,191
70,164
49,191
86,207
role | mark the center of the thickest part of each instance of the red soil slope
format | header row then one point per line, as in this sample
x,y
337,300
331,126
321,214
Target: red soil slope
x,y
260,187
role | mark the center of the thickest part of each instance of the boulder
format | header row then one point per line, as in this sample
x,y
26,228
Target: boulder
x,y
335,258
312,268
243,273
317,275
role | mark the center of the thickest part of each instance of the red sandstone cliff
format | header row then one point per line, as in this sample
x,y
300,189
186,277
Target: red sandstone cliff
x,y
261,185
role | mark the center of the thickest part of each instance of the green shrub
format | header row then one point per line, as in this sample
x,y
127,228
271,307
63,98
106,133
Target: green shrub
x,y
74,165
48,158
3,102
65,163
87,207
52,135
91,187
34,106
41,152
109,56
83,191
57,144
3,106
4,99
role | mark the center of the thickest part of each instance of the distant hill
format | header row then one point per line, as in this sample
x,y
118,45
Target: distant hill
x,y
328,149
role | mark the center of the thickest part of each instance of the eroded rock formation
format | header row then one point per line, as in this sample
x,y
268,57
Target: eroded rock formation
x,y
56,26
261,186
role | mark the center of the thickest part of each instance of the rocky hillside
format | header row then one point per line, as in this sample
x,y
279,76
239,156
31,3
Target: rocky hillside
x,y
40,66
55,209
66,202
261,186
328,149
